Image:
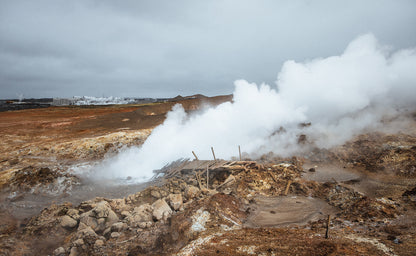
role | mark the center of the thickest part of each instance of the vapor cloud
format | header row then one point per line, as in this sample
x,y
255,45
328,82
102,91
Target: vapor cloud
x,y
340,95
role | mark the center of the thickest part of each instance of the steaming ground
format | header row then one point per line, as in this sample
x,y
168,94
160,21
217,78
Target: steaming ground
x,y
340,95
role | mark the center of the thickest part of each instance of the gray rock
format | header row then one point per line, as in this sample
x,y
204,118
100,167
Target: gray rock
x,y
74,251
100,217
119,226
98,243
59,252
68,222
115,234
79,242
73,213
161,210
84,230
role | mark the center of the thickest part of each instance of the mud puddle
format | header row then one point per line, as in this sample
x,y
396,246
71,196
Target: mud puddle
x,y
329,173
281,211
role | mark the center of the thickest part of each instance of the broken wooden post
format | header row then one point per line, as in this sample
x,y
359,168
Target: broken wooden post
x,y
287,187
212,149
196,158
198,178
239,151
207,177
327,226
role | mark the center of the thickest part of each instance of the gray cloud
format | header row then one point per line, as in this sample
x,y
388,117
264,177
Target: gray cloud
x,y
165,48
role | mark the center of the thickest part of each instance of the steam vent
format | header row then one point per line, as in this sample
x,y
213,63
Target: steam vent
x,y
201,128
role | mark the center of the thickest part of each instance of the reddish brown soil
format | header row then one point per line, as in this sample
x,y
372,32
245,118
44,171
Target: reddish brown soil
x,y
80,121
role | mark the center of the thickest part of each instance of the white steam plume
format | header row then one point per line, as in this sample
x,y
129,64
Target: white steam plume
x,y
339,95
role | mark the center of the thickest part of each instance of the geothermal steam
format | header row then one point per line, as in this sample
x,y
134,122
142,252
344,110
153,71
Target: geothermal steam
x,y
340,95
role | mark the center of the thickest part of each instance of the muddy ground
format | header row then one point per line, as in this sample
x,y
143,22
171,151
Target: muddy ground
x,y
266,206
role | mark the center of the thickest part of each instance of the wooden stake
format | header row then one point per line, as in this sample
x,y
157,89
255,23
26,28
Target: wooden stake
x,y
327,227
239,151
287,187
212,149
196,158
198,179
207,178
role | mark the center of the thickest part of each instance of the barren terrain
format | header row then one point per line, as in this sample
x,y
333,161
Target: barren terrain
x,y
266,206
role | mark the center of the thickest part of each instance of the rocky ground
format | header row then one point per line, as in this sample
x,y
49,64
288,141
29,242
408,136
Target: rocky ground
x,y
271,206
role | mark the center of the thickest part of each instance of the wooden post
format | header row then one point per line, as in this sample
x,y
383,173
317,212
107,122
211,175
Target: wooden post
x,y
196,158
207,177
212,149
327,227
239,151
198,179
287,187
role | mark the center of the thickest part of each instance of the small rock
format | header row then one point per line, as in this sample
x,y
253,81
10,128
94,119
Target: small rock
x,y
312,169
68,222
155,193
102,210
59,251
115,234
73,213
142,225
106,232
84,230
161,210
118,226
74,251
78,242
118,205
125,214
98,243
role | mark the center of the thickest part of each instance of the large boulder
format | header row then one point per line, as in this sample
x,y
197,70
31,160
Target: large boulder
x,y
175,201
191,192
161,210
141,216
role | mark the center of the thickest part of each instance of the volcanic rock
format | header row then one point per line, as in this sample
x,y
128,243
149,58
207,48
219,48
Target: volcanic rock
x,y
100,217
118,226
191,192
175,201
59,252
141,214
161,210
68,222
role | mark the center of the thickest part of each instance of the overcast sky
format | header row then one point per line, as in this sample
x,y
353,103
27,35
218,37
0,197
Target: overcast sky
x,y
152,48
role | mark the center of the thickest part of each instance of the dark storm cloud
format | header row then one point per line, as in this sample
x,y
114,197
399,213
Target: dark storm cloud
x,y
165,48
